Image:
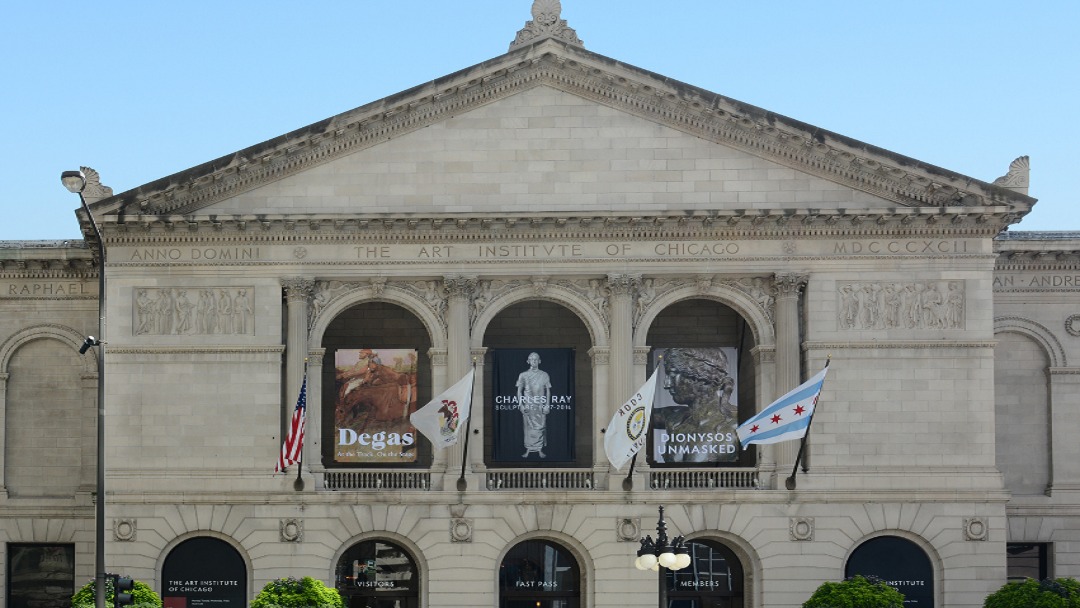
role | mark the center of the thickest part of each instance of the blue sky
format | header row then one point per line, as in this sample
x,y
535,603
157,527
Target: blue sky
x,y
141,90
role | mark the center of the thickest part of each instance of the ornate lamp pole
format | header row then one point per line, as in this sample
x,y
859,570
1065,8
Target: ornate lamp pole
x,y
661,556
75,182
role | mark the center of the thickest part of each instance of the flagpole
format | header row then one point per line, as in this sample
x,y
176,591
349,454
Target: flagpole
x,y
462,484
790,483
298,485
628,483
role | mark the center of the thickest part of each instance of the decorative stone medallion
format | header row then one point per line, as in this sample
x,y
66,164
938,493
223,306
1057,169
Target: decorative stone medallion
x,y
124,530
292,530
976,528
461,529
801,528
627,529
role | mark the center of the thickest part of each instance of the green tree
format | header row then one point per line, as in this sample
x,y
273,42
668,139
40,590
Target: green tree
x,y
297,593
142,593
1030,593
856,592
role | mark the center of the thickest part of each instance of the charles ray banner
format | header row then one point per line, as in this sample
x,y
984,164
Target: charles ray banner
x,y
533,405
695,412
376,393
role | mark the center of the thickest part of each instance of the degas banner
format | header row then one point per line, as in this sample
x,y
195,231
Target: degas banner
x,y
695,412
376,392
533,405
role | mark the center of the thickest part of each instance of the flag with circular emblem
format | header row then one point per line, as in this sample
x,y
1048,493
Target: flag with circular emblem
x,y
628,429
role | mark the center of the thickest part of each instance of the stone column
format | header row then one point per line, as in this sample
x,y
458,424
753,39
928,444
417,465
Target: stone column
x,y
621,290
3,436
1064,428
788,374
600,357
765,379
459,292
313,433
297,291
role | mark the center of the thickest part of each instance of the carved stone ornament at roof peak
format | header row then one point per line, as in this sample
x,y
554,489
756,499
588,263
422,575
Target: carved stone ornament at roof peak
x,y
94,190
1018,177
547,22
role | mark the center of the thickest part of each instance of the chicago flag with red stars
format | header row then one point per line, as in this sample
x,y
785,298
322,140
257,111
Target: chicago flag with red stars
x,y
786,418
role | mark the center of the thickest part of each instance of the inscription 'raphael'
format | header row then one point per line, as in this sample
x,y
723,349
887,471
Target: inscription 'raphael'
x,y
44,290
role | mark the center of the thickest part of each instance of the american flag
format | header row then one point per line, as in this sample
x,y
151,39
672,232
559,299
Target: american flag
x,y
294,441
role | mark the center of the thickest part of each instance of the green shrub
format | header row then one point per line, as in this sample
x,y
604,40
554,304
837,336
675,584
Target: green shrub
x,y
293,593
1060,593
856,592
142,593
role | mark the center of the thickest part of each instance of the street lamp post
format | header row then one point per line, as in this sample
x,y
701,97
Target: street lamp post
x,y
661,556
75,182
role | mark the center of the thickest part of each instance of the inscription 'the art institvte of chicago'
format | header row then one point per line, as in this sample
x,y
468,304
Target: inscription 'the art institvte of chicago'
x,y
705,249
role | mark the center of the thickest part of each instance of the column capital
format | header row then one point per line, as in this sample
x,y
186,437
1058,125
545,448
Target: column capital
x,y
623,284
315,356
601,355
460,286
298,288
790,285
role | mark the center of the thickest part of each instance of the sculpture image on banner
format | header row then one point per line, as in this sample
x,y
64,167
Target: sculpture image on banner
x,y
695,412
533,411
376,393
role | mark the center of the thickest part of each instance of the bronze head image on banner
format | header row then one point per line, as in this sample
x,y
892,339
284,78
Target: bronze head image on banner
x,y
695,412
533,405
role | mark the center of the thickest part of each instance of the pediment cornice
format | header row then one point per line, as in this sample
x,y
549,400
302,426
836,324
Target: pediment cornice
x,y
577,71
937,222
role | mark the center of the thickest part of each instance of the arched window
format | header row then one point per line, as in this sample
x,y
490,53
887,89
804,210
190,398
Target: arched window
x,y
900,563
714,578
378,574
539,574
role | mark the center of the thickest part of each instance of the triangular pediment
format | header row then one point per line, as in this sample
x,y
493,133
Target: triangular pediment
x,y
501,137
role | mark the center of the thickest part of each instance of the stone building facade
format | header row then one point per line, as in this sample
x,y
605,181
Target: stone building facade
x,y
549,198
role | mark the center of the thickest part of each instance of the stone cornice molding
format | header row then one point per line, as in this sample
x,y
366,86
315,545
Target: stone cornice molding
x,y
195,350
576,71
787,224
46,268
904,344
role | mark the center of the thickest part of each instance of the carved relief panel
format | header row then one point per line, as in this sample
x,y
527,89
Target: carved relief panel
x,y
907,305
203,311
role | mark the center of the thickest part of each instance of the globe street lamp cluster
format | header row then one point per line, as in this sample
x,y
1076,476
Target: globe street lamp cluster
x,y
660,555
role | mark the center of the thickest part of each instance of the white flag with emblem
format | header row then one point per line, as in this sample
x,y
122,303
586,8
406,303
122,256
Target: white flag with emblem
x,y
443,419
628,429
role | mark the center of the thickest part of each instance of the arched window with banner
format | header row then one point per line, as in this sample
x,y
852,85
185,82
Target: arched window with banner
x,y
204,571
539,574
899,562
378,574
714,578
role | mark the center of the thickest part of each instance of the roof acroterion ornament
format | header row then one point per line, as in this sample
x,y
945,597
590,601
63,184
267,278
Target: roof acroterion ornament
x,y
547,22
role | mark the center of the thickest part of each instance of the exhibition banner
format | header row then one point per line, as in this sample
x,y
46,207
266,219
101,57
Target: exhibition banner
x,y
376,393
533,405
696,411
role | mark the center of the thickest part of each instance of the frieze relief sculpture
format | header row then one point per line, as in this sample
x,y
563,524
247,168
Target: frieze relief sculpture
x,y
204,311
916,305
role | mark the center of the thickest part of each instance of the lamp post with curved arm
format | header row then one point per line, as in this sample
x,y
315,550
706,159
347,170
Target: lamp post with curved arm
x,y
75,182
661,556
